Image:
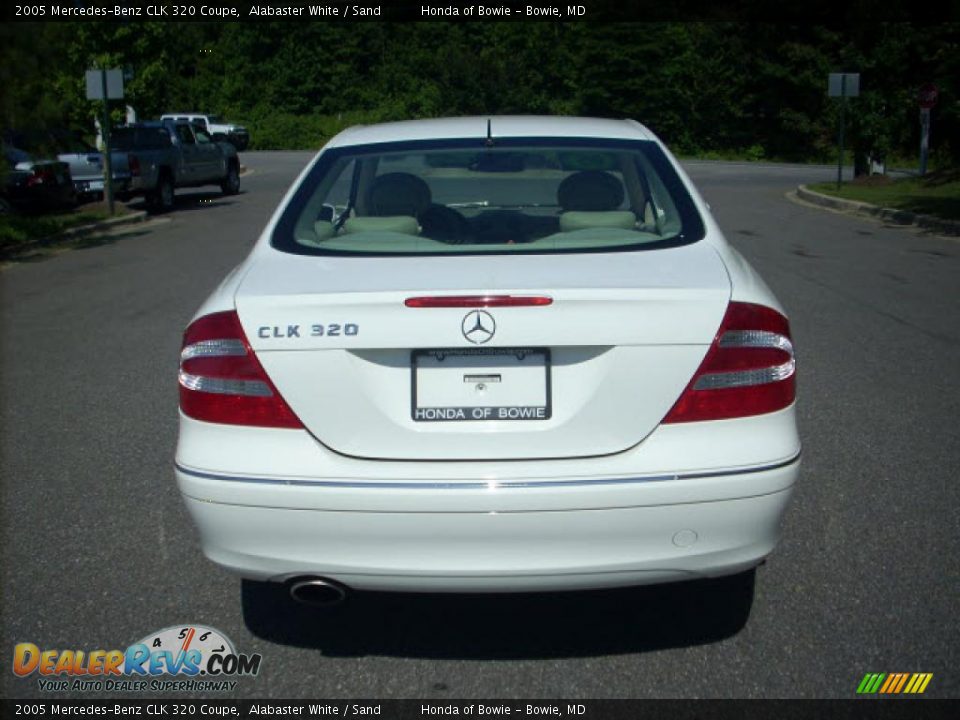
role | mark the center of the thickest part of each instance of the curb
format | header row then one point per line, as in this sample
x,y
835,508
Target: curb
x,y
899,217
75,232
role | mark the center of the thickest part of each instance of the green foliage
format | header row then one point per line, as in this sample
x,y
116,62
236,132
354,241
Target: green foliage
x,y
27,97
934,194
16,230
757,90
285,131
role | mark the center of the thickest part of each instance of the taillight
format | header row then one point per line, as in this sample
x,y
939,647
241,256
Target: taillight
x,y
133,164
39,177
221,380
749,369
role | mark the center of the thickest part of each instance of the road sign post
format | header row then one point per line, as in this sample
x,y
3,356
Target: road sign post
x,y
106,85
842,85
107,161
927,98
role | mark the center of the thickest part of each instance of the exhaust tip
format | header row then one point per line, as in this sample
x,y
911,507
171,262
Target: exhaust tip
x,y
318,592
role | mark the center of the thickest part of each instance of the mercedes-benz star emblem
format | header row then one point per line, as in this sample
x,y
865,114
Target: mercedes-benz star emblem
x,y
478,326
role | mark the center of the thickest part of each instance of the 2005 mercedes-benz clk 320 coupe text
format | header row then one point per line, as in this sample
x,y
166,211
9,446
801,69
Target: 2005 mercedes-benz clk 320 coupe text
x,y
489,354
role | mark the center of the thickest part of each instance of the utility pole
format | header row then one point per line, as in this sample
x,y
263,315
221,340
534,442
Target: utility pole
x,y
105,129
927,98
103,84
842,85
843,126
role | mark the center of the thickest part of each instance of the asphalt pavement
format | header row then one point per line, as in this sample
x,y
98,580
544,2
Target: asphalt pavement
x,y
97,549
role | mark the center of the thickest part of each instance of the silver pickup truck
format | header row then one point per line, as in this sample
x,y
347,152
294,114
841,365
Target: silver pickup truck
x,y
162,156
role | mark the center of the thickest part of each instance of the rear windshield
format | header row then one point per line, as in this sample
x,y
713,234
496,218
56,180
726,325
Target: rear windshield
x,y
141,138
462,197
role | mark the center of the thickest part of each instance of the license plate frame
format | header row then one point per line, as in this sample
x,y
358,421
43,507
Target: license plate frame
x,y
91,186
481,413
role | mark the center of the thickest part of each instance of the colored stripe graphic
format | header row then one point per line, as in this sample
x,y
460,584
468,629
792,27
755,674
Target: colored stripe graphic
x,y
870,683
918,683
903,679
894,683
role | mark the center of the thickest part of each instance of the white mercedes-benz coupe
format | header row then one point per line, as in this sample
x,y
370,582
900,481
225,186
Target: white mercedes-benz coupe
x,y
488,354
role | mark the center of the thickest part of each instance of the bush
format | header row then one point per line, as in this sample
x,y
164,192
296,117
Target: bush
x,y
284,131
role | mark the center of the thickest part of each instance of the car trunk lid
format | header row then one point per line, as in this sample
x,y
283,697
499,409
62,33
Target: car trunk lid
x,y
591,373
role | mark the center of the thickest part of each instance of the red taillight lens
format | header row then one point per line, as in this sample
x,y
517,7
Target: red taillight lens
x,y
133,164
40,177
472,301
221,380
749,369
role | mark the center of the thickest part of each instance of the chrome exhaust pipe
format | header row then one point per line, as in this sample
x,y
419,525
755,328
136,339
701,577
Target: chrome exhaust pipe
x,y
317,591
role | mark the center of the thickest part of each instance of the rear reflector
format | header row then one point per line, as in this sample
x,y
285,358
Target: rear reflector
x,y
221,380
749,369
472,301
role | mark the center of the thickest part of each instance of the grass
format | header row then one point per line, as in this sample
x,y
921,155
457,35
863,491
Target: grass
x,y
936,193
18,230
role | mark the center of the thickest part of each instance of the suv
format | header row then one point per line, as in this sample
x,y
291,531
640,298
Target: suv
x,y
237,135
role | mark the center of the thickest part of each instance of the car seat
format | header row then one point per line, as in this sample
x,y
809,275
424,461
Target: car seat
x,y
591,199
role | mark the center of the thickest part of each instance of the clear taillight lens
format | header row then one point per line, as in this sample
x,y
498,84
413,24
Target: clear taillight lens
x,y
221,380
749,369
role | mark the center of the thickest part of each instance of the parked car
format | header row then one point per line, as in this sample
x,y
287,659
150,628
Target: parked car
x,y
85,161
472,354
33,185
163,156
215,127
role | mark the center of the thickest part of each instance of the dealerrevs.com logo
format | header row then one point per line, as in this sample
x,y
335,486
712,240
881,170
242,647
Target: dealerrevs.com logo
x,y
200,658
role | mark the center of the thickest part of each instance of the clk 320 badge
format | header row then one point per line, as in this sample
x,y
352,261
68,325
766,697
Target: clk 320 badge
x,y
293,331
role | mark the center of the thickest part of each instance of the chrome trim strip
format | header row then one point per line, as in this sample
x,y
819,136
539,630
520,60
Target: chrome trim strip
x,y
484,484
223,386
213,348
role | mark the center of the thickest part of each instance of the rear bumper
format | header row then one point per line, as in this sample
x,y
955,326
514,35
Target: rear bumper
x,y
90,186
590,533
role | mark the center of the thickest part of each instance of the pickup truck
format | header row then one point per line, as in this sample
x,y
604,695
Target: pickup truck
x,y
162,156
215,127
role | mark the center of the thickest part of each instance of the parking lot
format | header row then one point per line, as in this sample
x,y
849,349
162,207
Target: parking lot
x,y
98,550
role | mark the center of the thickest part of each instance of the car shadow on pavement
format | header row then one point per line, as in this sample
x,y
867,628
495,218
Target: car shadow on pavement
x,y
85,242
184,201
528,625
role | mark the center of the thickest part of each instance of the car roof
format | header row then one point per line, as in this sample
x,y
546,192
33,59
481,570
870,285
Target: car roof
x,y
500,126
162,123
145,124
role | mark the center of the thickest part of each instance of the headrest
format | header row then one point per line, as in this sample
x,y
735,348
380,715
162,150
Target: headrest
x,y
590,191
398,194
394,223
